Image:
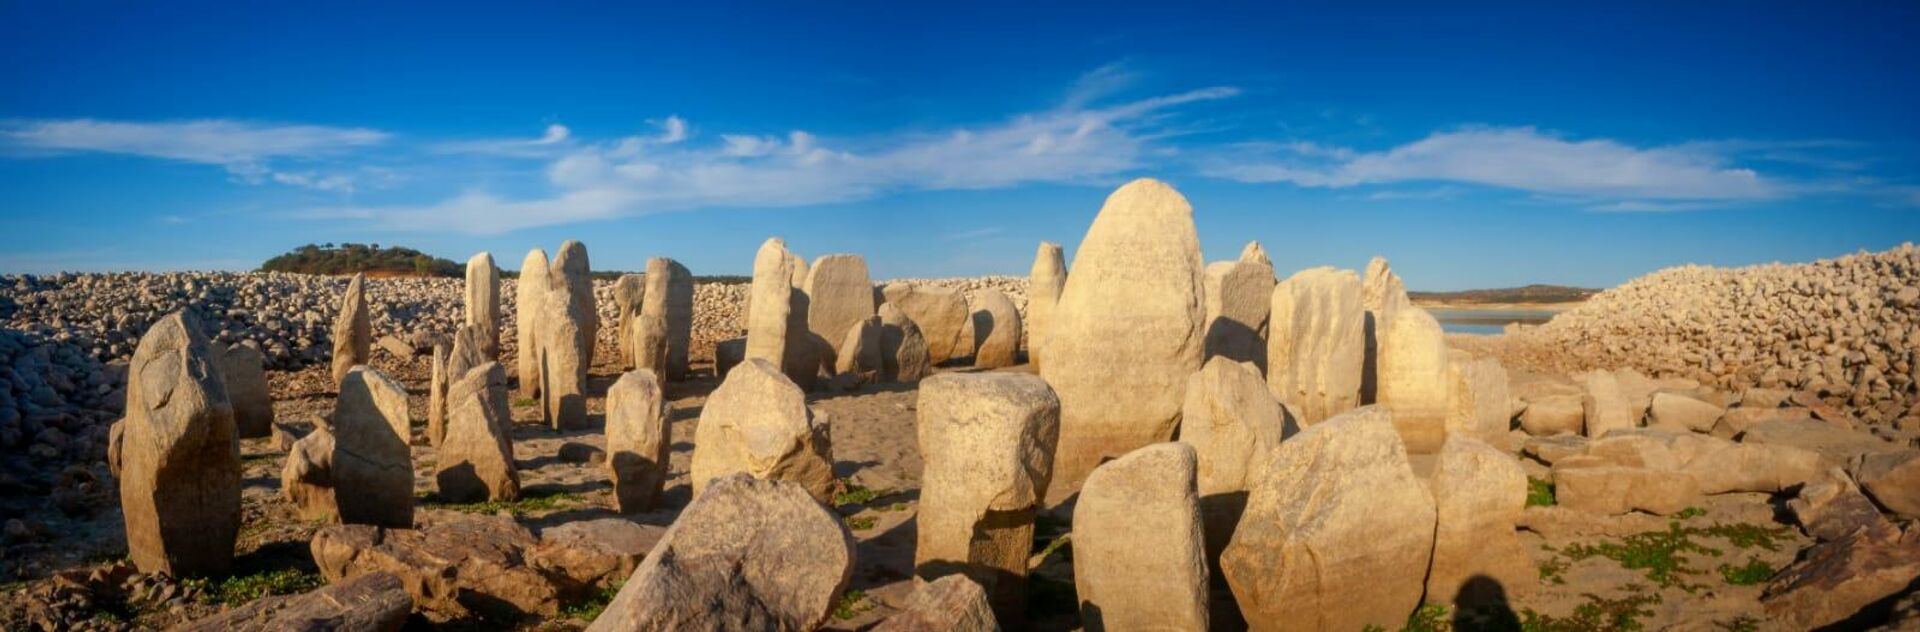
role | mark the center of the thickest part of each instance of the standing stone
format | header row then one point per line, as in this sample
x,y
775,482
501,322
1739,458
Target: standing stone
x,y
727,354
306,481
1233,424
1383,295
372,465
1337,535
839,295
1044,283
1605,406
179,460
770,303
483,302
1413,379
352,330
1138,558
1127,331
1478,495
669,297
1239,298
530,291
747,555
1254,253
569,324
1480,406
637,440
437,385
1316,343
629,295
903,348
996,331
987,440
941,312
476,458
650,344
758,422
243,370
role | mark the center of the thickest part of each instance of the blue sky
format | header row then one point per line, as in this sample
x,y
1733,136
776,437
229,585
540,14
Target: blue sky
x,y
1490,146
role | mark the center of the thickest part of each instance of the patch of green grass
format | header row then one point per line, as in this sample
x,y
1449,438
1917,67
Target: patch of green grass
x,y
1690,513
1429,618
861,523
1741,623
527,503
1539,492
590,608
1662,554
1551,570
1595,615
854,494
241,589
1061,544
525,402
1754,572
1747,536
851,605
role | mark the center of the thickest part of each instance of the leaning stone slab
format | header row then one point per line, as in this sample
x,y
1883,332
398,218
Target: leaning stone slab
x,y
1127,332
530,291
588,554
372,464
637,440
455,568
903,349
1831,506
940,312
476,458
747,555
352,330
1833,581
374,602
669,297
987,440
179,455
996,331
1478,494
1337,535
1316,344
243,370
1233,424
758,422
1139,559
950,604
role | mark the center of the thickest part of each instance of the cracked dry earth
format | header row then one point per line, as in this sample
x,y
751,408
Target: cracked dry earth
x,y
1693,571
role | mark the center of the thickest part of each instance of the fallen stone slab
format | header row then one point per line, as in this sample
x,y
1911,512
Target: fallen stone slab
x,y
950,604
593,553
374,602
474,563
1833,581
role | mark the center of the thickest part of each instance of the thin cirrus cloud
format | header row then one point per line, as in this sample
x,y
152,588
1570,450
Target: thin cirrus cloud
x,y
1516,158
248,150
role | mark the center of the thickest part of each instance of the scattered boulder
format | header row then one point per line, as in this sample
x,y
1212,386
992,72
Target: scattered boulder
x,y
1339,533
588,554
476,457
1682,412
669,297
1554,414
903,348
1139,559
747,555
638,439
939,311
179,455
949,604
1595,485
374,602
372,465
1233,424
1045,281
483,304
1892,479
530,291
1837,445
1550,449
988,442
1831,506
1316,343
352,330
996,331
1834,580
758,422
1478,495
455,568
1239,297
1127,331
243,370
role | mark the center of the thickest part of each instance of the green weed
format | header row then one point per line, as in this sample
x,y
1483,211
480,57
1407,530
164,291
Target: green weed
x,y
1754,572
1539,493
851,605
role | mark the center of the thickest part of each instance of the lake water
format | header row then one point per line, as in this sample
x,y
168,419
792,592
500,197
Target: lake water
x,y
1486,321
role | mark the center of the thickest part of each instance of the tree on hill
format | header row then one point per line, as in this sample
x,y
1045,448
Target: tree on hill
x,y
349,258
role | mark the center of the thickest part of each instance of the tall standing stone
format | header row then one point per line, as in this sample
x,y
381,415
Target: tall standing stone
x,y
1478,494
1316,343
638,438
988,442
903,348
1383,295
569,324
1239,298
996,331
769,303
1413,379
437,384
352,330
1044,283
1337,535
179,463
476,457
839,295
530,290
1138,556
1606,405
758,422
243,370
629,295
1233,424
1127,331
941,312
649,344
372,465
483,302
670,298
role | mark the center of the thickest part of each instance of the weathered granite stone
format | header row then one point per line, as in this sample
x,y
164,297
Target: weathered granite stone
x,y
996,331
243,370
638,439
530,290
949,604
839,295
374,602
483,303
1478,494
670,297
758,422
1233,424
568,326
1413,379
1316,343
1239,298
1139,559
352,330
1045,281
372,464
903,348
629,295
476,457
179,455
940,312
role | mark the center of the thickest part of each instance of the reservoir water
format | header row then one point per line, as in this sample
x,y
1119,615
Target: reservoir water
x,y
1486,321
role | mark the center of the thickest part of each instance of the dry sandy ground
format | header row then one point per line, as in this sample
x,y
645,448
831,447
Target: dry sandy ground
x,y
875,448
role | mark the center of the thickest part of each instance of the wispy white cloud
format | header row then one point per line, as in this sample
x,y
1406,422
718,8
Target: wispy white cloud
x,y
247,150
1517,158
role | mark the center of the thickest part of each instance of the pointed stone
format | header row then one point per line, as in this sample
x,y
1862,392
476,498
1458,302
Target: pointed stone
x,y
1413,380
352,330
372,465
987,440
903,348
1127,332
476,458
243,370
1383,296
1139,561
1478,494
530,290
437,385
758,422
996,331
638,439
1255,254
1045,281
1233,424
669,297
483,303
1316,343
629,295
1239,299
569,326
940,312
179,455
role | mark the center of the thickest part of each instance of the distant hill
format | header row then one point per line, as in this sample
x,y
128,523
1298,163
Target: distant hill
x,y
1528,294
368,258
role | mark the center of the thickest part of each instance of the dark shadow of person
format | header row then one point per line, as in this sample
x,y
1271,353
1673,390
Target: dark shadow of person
x,y
1482,605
